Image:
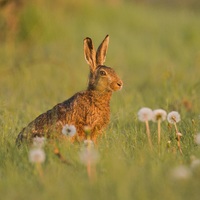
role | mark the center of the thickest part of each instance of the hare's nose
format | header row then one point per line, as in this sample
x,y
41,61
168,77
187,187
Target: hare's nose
x,y
120,83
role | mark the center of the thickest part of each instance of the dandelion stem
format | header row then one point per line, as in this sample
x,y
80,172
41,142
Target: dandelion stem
x,y
178,139
148,133
88,161
39,170
176,127
179,143
89,170
159,130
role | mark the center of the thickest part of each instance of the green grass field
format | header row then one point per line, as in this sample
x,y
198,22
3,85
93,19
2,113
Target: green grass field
x,y
156,52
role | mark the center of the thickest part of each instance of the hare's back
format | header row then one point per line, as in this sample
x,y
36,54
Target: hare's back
x,y
54,118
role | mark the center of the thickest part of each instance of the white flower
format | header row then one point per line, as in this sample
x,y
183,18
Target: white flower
x,y
173,117
37,155
145,114
39,141
159,114
89,155
181,173
69,130
197,138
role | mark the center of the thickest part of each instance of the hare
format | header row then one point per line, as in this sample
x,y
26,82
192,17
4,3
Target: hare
x,y
89,108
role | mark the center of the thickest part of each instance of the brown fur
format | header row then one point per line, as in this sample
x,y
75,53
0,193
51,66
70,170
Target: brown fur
x,y
88,108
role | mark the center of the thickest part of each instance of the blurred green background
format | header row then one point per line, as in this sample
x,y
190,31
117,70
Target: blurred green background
x,y
155,49
153,46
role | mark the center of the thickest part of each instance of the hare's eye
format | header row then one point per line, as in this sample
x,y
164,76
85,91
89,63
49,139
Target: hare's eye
x,y
102,73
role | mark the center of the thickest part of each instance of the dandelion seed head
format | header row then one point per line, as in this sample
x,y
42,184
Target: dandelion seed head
x,y
89,156
173,117
145,114
37,155
87,129
181,173
159,114
69,130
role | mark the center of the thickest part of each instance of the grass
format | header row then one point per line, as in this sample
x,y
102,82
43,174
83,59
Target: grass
x,y
156,52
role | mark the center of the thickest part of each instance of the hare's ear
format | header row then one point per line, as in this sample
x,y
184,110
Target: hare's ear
x,y
90,53
101,51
